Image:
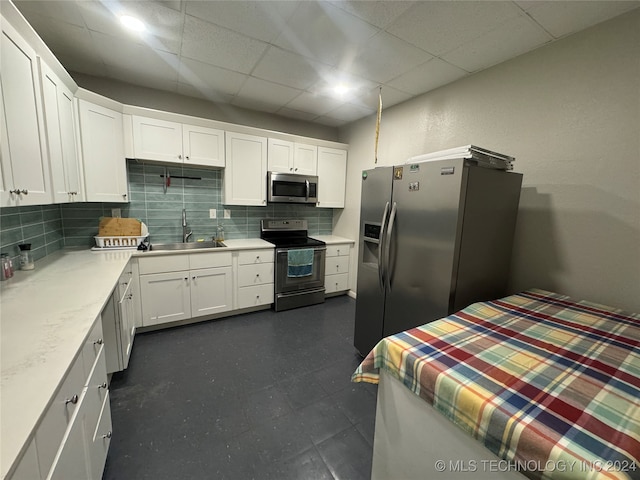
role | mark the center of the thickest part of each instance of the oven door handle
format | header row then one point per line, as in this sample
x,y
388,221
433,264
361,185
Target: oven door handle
x,y
306,184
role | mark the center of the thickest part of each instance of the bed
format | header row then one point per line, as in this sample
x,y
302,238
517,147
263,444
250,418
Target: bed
x,y
539,386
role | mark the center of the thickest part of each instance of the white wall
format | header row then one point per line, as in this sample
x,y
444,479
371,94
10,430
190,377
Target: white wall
x,y
570,114
172,102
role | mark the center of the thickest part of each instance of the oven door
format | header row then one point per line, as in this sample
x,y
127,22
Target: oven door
x,y
287,284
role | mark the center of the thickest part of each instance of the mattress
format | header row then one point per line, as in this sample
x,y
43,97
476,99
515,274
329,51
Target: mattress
x,y
545,382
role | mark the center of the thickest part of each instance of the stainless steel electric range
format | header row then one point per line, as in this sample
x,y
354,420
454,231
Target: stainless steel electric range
x,y
299,263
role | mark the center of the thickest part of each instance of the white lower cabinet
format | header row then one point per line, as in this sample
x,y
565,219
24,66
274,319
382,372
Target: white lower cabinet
x,y
183,286
255,278
336,271
64,439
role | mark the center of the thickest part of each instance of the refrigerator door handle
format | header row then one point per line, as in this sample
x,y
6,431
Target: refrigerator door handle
x,y
387,244
383,227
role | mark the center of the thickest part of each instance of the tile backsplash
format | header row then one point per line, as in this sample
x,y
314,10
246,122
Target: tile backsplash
x,y
39,225
50,227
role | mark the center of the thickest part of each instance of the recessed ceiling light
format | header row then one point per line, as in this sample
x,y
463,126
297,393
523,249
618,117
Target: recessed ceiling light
x,y
132,23
341,89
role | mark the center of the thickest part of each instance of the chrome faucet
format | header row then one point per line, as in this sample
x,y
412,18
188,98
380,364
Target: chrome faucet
x,y
185,234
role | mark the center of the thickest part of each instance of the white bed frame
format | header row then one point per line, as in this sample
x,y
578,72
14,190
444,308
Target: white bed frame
x,y
411,437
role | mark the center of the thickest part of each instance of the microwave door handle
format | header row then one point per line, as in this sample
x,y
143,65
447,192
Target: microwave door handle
x,y
306,184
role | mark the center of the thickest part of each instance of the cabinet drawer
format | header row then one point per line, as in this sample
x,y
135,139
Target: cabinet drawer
x,y
335,265
246,257
125,280
97,390
59,414
254,296
336,283
92,347
249,275
209,260
164,263
338,250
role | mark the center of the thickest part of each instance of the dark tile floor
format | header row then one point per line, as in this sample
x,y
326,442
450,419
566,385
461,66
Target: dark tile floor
x,y
263,395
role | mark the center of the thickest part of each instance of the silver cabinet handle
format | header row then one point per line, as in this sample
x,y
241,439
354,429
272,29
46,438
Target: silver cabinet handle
x,y
295,169
291,169
73,400
186,278
102,385
98,342
107,435
179,157
25,191
194,277
187,157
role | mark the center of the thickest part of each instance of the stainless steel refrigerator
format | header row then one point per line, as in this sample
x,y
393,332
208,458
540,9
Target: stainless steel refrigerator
x,y
435,236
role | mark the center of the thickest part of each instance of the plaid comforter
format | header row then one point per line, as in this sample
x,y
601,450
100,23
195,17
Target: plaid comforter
x,y
545,382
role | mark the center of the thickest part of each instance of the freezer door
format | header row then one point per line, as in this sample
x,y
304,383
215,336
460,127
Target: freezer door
x,y
421,243
376,196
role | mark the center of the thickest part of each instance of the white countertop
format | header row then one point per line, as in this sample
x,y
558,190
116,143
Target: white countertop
x,y
332,239
46,316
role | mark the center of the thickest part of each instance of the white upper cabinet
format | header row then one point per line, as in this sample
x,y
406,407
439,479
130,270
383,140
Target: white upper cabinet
x,y
164,141
332,177
102,140
25,167
292,157
245,175
61,140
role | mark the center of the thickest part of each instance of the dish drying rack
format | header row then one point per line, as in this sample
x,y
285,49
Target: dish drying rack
x,y
123,241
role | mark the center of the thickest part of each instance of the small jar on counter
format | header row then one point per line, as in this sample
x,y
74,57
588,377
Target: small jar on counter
x,y
26,258
6,267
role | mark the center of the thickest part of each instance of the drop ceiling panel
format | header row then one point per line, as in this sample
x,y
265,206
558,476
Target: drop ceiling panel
x,y
321,31
314,103
288,68
517,37
439,27
267,92
261,20
297,114
349,112
137,77
205,93
203,76
377,13
209,43
384,56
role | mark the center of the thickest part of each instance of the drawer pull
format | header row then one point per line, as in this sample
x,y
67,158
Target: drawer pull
x,y
98,342
73,400
107,435
104,384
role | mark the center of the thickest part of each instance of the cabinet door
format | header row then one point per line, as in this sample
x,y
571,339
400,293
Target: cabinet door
x,y
101,440
211,291
6,172
280,156
305,159
165,297
332,177
61,141
203,146
245,175
157,139
73,460
102,139
127,326
25,153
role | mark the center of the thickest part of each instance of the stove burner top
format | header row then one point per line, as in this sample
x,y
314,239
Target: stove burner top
x,y
287,234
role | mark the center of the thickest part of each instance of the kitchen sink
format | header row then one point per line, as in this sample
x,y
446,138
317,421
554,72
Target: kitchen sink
x,y
184,246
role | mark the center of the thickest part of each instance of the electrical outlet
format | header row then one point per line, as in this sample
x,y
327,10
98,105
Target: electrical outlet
x,y
227,213
116,213
212,213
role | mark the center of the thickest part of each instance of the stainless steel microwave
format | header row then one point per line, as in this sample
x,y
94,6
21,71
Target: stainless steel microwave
x,y
287,188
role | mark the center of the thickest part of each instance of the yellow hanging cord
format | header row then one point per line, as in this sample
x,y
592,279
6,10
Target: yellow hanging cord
x,y
378,118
